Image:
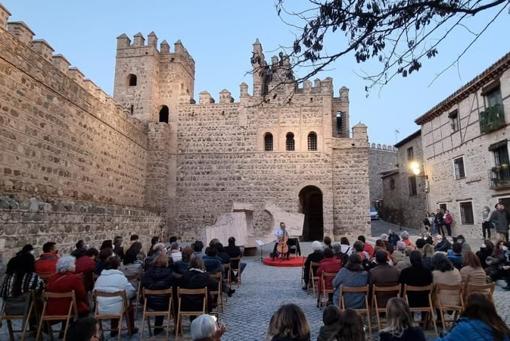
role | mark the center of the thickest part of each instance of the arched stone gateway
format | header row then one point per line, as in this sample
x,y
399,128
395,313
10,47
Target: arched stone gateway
x,y
310,204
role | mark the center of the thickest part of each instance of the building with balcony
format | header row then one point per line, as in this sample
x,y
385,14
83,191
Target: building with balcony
x,y
465,148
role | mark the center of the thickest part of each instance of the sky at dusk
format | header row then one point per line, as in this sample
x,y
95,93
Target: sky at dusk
x,y
219,36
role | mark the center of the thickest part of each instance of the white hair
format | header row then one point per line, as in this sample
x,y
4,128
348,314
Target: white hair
x,y
316,246
66,263
203,327
404,235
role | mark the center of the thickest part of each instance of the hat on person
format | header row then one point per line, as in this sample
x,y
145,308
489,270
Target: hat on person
x,y
316,245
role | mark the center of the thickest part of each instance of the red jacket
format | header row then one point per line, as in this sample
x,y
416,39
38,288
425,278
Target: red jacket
x,y
46,264
85,264
369,249
331,265
65,282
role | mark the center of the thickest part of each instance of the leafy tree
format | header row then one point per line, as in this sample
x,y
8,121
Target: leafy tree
x,y
400,34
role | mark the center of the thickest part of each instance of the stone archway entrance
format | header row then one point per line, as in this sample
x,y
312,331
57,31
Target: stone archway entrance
x,y
310,203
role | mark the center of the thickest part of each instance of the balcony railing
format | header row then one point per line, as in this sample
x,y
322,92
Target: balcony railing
x,y
492,118
499,177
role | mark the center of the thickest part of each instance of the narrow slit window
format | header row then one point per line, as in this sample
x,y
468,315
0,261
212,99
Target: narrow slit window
x,y
268,142
312,141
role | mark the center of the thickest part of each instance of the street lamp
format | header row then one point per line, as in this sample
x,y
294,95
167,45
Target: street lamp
x,y
415,167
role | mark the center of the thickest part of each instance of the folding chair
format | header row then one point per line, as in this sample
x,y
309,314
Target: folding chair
x,y
486,289
181,313
148,312
113,316
138,289
226,273
18,308
453,291
429,309
313,279
66,319
326,282
235,267
45,276
385,293
362,311
218,294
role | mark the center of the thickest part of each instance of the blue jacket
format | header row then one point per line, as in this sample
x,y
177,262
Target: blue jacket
x,y
470,330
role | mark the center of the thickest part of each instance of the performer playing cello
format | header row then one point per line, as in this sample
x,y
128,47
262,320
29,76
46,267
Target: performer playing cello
x,y
281,249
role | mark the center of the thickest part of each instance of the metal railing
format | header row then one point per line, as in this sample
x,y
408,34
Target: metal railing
x,y
492,118
499,177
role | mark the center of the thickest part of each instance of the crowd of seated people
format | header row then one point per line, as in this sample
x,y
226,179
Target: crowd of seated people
x,y
114,268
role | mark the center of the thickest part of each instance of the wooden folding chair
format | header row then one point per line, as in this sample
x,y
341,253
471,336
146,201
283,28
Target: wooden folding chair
x,y
148,313
100,317
181,313
453,291
381,294
362,311
313,279
235,267
72,311
485,289
218,294
138,291
429,309
45,276
326,278
227,275
11,313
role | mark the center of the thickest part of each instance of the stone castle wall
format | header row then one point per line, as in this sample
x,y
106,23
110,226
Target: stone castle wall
x,y
63,140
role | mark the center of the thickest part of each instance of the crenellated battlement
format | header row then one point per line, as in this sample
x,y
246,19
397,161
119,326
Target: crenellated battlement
x,y
386,147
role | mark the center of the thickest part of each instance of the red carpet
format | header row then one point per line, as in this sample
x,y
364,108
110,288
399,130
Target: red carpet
x,y
291,262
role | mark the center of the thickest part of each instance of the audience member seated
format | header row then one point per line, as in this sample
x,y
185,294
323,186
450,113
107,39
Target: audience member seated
x,y
405,262
419,276
359,249
328,264
195,278
113,280
462,241
154,241
212,262
106,244
175,252
104,254
316,256
351,275
206,328
478,321
45,266
84,329
405,238
19,281
455,255
158,277
351,327
400,323
234,252
183,265
157,250
225,258
132,266
379,244
367,247
118,249
327,242
442,244
346,246
428,252
65,280
399,254
86,265
486,250
337,250
331,327
198,246
445,273
383,275
289,323
472,271
80,249
393,238
420,243
499,264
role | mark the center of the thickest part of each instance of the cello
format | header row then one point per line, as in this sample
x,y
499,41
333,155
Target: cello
x,y
282,248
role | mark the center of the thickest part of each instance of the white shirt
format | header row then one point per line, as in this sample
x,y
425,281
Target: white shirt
x,y
279,233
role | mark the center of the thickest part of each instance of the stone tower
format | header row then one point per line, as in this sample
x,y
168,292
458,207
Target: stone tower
x,y
149,82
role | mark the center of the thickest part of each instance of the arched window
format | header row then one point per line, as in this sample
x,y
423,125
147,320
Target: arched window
x,y
312,141
163,114
268,142
290,144
132,80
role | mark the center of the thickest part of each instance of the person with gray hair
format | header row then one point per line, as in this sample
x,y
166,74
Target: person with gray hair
x,y
316,256
64,281
206,328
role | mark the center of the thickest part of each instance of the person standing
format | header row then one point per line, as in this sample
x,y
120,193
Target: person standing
x,y
448,221
486,224
499,219
438,222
